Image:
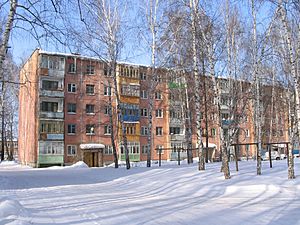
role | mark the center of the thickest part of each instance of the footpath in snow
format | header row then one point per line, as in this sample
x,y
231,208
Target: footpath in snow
x,y
169,194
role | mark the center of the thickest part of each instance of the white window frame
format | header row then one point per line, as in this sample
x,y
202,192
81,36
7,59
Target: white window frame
x,y
107,130
72,149
144,94
107,91
158,95
72,88
143,112
160,129
159,113
144,131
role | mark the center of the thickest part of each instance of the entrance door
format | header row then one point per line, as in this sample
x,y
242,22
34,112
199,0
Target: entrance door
x,y
91,159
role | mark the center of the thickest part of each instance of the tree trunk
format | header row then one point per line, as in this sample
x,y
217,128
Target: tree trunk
x,y
120,116
287,37
257,93
194,10
112,135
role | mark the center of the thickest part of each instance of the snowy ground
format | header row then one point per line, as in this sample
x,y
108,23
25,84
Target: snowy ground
x,y
168,195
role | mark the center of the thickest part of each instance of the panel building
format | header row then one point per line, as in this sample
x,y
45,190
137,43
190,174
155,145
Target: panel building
x,y
65,106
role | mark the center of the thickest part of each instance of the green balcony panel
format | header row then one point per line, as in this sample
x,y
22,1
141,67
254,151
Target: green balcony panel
x,y
132,157
51,159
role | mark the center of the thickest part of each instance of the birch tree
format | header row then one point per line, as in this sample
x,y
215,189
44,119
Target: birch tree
x,y
104,23
287,36
194,6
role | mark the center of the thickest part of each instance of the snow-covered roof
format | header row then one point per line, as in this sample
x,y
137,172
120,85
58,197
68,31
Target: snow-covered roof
x,y
92,146
210,145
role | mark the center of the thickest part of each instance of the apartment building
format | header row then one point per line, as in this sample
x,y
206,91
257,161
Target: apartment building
x,y
64,113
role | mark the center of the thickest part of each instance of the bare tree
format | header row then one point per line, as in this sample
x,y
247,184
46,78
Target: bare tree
x,y
104,24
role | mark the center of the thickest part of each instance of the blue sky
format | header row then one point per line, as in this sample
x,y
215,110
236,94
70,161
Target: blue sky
x,y
22,44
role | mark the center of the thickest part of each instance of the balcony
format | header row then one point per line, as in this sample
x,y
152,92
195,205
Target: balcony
x,y
176,121
132,157
56,73
50,159
54,115
131,118
177,137
227,122
52,93
224,107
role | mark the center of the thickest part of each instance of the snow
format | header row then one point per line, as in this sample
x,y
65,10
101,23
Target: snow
x,y
170,194
80,164
92,146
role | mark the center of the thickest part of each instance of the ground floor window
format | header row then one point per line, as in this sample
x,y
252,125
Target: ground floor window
x,y
108,150
133,148
72,150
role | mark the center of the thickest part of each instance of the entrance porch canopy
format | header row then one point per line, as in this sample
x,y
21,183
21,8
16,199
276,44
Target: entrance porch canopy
x,y
92,146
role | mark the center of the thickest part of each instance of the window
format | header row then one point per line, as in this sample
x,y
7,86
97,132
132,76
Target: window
x,y
145,149
128,71
247,133
225,116
159,149
144,131
90,109
49,85
175,130
90,129
49,106
108,150
158,95
133,148
107,71
143,76
51,148
106,110
158,78
51,127
71,150
281,133
71,128
71,88
144,112
72,68
144,94
159,131
159,113
213,132
71,108
107,90
90,69
107,129
130,90
90,89
130,129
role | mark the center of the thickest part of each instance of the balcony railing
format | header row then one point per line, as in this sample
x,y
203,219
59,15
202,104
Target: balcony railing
x,y
227,122
56,73
50,159
52,93
132,157
177,137
55,115
131,118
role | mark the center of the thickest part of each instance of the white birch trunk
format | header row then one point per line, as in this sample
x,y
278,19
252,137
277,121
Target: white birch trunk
x,y
193,8
287,37
257,119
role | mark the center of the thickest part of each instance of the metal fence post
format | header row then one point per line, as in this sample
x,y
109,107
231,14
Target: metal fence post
x,y
270,156
159,159
178,152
